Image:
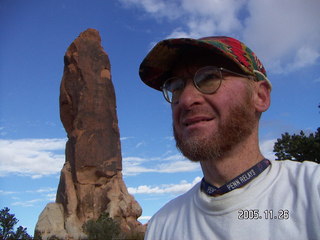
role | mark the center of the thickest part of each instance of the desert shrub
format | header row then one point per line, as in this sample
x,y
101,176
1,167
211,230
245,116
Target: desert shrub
x,y
104,228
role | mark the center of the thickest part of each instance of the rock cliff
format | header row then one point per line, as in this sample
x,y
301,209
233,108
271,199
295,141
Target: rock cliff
x,y
91,180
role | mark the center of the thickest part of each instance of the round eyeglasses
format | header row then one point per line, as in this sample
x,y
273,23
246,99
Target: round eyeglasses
x,y
207,80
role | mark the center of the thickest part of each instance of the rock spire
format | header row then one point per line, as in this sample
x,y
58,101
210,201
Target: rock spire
x,y
91,179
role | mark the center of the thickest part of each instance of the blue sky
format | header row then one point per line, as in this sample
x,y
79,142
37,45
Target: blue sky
x,y
35,34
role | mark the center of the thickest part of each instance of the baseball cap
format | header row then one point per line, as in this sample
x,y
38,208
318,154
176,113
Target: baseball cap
x,y
163,56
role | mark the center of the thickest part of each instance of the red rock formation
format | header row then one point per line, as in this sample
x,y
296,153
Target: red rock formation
x,y
91,179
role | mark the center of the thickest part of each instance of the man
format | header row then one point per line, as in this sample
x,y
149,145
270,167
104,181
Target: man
x,y
218,89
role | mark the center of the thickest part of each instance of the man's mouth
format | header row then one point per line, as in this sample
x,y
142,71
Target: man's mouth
x,y
195,120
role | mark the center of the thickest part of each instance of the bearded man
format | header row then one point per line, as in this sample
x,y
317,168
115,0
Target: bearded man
x,y
218,89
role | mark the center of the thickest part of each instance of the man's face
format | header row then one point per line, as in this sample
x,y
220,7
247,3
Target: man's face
x,y
208,126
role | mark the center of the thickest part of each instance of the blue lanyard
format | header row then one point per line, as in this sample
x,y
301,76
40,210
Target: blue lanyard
x,y
237,182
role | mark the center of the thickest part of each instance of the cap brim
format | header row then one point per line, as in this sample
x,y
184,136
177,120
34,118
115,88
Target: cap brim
x,y
160,60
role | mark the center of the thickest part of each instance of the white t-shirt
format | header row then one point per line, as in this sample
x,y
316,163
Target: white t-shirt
x,y
282,203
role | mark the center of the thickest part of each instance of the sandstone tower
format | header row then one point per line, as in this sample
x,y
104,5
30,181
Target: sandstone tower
x,y
91,179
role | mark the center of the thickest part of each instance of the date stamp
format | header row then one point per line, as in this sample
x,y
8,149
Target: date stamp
x,y
270,214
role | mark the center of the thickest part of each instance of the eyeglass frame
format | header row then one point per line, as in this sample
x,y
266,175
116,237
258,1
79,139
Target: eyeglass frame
x,y
221,69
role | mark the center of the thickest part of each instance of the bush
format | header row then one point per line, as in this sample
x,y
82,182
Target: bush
x,y
135,236
105,228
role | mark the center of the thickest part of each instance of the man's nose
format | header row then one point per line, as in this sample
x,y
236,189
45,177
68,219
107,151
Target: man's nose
x,y
190,95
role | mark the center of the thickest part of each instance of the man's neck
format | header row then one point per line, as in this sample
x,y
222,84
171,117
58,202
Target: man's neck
x,y
242,157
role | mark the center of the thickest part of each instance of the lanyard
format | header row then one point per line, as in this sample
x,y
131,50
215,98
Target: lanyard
x,y
237,182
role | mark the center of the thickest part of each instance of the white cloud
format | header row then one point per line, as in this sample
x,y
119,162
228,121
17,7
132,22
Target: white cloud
x,y
125,138
175,157
134,160
207,17
178,33
42,195
144,218
39,157
305,56
158,9
29,203
267,149
178,166
285,34
197,18
51,197
6,192
31,157
179,188
44,190
140,144
135,170
170,164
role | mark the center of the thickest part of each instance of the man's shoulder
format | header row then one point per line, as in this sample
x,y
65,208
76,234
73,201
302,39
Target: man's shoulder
x,y
301,166
177,204
166,220
305,171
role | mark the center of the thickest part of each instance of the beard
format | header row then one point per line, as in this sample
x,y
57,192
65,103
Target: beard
x,y
237,128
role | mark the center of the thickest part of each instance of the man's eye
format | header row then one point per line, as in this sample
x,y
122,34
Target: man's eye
x,y
176,86
207,79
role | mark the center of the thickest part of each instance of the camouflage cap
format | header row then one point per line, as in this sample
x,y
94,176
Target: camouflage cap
x,y
163,56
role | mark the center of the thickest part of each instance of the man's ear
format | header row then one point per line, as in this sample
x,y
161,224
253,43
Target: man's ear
x,y
262,96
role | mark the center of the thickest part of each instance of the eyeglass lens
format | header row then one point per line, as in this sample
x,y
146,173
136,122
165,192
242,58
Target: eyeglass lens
x,y
207,80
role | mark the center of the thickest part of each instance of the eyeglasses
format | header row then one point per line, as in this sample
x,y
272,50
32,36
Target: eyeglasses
x,y
207,80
